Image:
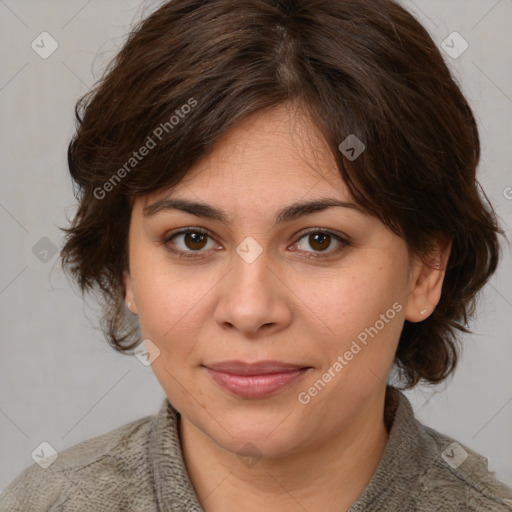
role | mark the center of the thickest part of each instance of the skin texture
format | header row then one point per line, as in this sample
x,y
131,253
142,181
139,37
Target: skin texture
x,y
282,306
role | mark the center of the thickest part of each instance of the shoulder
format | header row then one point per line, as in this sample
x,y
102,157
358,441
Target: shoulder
x,y
113,464
425,470
457,476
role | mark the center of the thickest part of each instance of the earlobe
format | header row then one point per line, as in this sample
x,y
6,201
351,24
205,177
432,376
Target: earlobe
x,y
427,282
129,296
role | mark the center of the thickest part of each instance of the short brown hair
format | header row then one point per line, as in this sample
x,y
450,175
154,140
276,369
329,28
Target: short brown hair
x,y
357,67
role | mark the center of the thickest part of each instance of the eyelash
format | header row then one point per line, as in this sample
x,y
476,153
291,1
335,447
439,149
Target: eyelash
x,y
315,256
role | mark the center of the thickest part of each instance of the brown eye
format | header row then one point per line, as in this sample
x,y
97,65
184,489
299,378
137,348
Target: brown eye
x,y
188,243
194,241
320,241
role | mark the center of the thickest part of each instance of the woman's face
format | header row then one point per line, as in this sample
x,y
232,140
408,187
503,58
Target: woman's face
x,y
260,286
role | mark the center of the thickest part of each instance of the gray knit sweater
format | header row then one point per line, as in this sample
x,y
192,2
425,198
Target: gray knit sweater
x,y
139,467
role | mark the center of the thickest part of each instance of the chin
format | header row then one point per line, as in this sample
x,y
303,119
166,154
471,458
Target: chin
x,y
245,440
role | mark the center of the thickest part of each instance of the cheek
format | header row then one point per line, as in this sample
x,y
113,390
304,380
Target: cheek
x,y
357,320
164,293
168,304
347,301
174,309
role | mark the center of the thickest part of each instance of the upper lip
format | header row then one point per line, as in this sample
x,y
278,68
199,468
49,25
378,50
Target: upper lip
x,y
257,368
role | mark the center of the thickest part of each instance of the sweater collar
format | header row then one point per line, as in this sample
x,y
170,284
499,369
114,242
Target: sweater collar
x,y
408,452
402,461
173,488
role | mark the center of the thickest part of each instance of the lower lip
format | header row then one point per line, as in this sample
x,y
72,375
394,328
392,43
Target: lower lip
x,y
255,386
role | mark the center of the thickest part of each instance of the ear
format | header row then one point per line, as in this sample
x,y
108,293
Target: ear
x,y
427,280
129,295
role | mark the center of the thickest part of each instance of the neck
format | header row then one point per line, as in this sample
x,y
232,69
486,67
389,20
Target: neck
x,y
329,476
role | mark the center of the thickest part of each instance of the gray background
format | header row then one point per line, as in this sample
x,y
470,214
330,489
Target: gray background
x,y
59,381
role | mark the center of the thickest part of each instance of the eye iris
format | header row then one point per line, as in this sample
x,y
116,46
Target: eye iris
x,y
195,238
319,238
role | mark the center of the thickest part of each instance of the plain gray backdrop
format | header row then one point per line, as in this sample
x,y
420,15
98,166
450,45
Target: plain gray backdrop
x,y
59,380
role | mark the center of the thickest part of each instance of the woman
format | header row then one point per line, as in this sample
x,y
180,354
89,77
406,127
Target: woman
x,y
280,199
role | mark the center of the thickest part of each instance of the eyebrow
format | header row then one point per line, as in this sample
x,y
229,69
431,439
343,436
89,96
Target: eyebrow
x,y
207,211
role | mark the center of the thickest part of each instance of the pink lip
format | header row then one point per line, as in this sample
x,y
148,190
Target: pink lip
x,y
255,380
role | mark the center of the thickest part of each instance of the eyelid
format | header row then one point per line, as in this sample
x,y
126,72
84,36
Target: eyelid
x,y
340,237
183,231
328,231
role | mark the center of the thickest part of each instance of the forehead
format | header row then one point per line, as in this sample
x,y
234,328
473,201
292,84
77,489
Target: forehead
x,y
277,153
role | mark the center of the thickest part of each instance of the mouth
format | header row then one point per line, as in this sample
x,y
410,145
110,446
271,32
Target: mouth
x,y
255,380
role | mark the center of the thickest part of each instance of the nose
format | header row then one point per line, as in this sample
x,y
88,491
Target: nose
x,y
254,299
